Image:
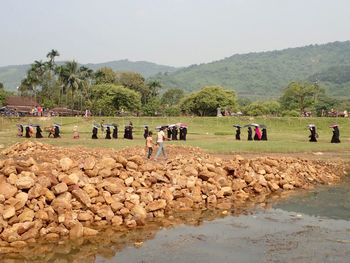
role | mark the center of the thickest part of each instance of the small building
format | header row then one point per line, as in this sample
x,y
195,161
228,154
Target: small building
x,y
21,105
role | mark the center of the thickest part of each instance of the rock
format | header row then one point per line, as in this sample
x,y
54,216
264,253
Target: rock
x,y
49,195
66,163
60,188
89,163
238,184
131,166
9,212
89,232
139,212
21,200
226,190
42,215
107,162
82,197
130,223
71,179
121,159
136,159
26,216
288,187
190,170
128,181
36,191
212,199
273,186
90,190
60,205
155,205
24,182
185,202
85,216
77,231
117,220
18,244
105,211
116,206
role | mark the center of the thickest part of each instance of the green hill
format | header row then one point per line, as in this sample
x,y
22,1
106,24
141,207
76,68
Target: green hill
x,y
264,75
11,76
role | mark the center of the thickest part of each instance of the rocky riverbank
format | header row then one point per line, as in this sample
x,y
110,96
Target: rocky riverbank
x,y
55,193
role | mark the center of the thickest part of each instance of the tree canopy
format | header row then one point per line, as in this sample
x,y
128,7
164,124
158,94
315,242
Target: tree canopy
x,y
206,101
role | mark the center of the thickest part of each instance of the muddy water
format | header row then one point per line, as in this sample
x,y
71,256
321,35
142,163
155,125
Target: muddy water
x,y
313,226
310,226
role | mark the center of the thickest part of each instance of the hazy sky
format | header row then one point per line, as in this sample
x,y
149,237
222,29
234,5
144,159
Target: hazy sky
x,y
170,32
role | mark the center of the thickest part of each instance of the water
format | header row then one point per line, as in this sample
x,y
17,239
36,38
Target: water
x,y
310,226
325,202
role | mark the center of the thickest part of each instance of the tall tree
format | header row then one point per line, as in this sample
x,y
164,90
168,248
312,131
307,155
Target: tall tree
x,y
172,97
51,56
300,95
206,101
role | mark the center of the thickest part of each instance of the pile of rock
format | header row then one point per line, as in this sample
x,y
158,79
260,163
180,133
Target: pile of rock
x,y
51,192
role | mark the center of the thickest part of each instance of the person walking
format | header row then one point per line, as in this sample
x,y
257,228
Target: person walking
x,y
160,142
336,134
149,144
313,134
257,135
250,134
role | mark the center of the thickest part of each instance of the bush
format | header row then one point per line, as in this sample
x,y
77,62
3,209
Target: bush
x,y
290,113
172,111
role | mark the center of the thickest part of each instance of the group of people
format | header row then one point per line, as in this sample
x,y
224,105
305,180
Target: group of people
x,y
314,135
260,135
107,128
173,131
27,130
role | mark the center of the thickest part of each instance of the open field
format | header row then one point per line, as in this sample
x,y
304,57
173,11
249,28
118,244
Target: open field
x,y
215,135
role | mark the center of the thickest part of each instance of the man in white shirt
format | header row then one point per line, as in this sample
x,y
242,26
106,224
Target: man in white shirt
x,y
160,142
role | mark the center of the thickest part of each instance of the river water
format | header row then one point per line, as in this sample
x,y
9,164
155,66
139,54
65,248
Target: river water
x,y
310,226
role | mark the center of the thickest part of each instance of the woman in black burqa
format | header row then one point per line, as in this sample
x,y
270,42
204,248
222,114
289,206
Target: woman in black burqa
x,y
313,134
336,134
250,134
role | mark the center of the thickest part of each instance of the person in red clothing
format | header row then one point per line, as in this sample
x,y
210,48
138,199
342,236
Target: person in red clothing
x,y
40,111
257,136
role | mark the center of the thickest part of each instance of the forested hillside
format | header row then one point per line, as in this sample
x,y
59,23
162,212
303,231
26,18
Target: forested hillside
x,y
11,76
264,75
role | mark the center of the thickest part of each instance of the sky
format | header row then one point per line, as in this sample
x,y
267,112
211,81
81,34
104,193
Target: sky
x,y
169,32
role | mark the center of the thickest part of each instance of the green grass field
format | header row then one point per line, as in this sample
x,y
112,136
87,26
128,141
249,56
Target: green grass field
x,y
215,135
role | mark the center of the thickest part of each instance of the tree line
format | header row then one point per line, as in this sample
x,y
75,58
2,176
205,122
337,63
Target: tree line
x,y
107,92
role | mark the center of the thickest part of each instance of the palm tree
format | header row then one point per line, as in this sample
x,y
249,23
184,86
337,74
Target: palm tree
x,y
74,78
51,56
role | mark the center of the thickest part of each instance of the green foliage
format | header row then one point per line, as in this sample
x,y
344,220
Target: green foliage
x,y
255,109
206,101
1,86
3,95
290,113
152,107
172,97
300,96
172,111
105,76
262,75
107,99
242,102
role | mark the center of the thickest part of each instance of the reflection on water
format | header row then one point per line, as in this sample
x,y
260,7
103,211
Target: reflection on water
x,y
327,201
107,244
